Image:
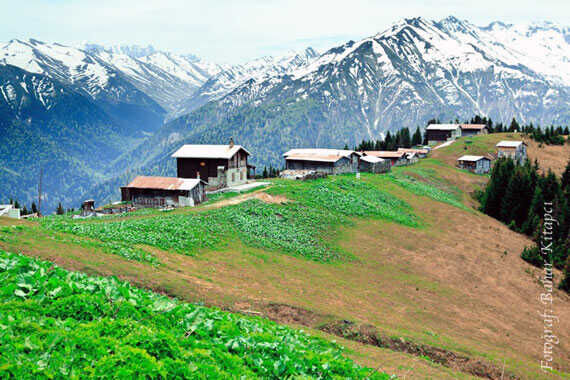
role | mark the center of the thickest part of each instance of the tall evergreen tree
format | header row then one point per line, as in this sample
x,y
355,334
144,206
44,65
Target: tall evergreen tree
x,y
60,210
417,137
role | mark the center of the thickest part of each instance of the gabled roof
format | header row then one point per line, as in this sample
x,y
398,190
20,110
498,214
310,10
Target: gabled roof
x,y
472,158
164,183
372,159
208,151
385,153
473,126
442,127
509,144
320,152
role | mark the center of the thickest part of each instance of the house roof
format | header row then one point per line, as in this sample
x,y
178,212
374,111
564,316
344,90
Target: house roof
x,y
385,154
442,127
320,152
208,151
412,150
372,159
472,158
509,144
164,183
473,126
314,157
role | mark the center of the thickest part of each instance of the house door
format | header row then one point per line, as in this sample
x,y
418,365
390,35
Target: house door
x,y
203,171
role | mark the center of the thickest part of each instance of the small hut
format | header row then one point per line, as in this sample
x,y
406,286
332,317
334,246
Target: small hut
x,y
374,164
164,192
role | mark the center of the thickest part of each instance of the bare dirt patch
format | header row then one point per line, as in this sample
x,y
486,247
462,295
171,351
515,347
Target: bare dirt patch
x,y
368,334
262,196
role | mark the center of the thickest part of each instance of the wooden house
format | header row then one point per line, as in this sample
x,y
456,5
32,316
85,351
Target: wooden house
x,y
329,161
475,164
438,133
473,129
218,165
374,164
395,158
516,150
164,192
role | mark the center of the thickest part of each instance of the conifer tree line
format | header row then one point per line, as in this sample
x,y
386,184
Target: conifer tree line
x,y
24,210
401,139
269,173
516,195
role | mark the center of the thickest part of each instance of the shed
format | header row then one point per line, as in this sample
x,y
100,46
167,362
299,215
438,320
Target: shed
x,y
475,164
437,133
374,164
164,191
330,161
10,211
218,165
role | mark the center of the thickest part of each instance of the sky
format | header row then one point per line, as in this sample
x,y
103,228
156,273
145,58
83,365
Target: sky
x,y
227,31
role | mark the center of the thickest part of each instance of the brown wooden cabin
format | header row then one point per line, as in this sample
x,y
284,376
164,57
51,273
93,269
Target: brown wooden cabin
x,y
218,165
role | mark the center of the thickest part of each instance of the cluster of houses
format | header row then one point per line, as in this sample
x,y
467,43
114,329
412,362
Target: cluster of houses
x,y
442,133
202,168
515,150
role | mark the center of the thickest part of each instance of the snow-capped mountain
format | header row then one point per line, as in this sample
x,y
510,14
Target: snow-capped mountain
x,y
415,70
256,70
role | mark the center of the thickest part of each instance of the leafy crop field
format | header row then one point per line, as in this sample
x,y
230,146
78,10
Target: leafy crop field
x,y
60,324
299,227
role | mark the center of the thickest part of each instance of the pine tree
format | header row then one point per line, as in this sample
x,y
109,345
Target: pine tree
x,y
265,175
417,137
346,147
517,198
25,210
34,208
16,204
60,210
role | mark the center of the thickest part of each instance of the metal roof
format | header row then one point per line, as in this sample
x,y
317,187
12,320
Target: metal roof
x,y
472,158
473,126
320,152
442,127
208,151
509,144
164,183
385,154
372,159
311,157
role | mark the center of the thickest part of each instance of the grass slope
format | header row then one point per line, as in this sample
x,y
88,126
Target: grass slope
x,y
404,252
59,324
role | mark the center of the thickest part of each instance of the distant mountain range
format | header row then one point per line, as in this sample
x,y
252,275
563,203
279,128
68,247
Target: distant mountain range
x,y
93,116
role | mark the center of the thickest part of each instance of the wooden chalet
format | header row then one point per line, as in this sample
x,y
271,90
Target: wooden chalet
x,y
473,129
516,150
218,165
329,161
475,164
164,192
438,133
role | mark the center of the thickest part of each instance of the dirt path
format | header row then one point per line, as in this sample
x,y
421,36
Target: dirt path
x,y
260,194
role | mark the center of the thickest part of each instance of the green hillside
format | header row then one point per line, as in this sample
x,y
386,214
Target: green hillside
x,y
400,268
